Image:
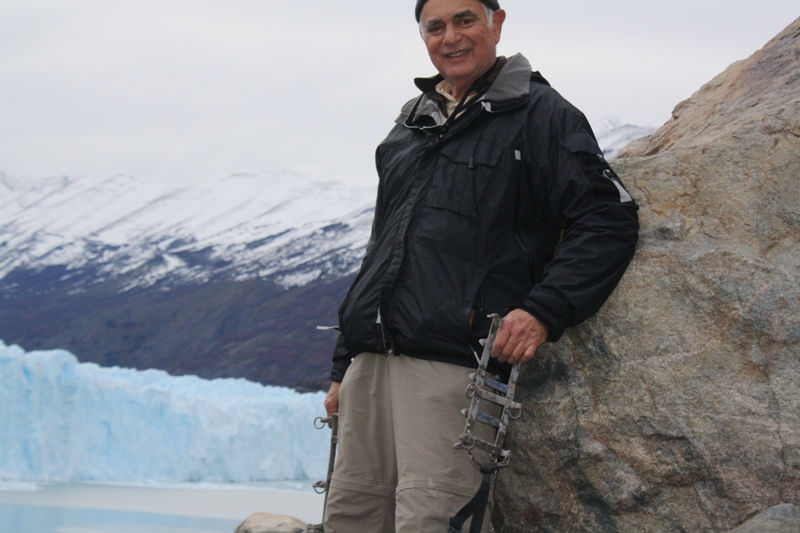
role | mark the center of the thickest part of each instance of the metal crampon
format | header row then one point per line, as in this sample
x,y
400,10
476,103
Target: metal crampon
x,y
486,387
322,487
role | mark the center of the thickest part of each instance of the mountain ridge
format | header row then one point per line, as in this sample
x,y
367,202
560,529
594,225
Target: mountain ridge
x,y
240,227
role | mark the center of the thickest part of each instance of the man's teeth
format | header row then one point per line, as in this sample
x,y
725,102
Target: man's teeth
x,y
458,54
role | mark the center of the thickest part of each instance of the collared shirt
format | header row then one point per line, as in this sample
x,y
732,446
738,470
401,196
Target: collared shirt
x,y
450,104
438,90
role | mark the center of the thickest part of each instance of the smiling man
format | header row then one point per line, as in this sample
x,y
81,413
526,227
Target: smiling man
x,y
461,45
494,197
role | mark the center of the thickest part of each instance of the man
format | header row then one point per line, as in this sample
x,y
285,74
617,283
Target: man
x,y
493,198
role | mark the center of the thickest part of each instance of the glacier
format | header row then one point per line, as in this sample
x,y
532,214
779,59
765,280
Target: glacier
x,y
64,421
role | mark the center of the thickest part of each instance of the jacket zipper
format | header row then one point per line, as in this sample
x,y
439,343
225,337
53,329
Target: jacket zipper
x,y
529,260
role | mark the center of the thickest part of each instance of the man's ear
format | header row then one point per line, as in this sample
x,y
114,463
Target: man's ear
x,y
498,18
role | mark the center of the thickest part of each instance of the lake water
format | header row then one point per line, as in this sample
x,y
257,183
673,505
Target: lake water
x,y
90,508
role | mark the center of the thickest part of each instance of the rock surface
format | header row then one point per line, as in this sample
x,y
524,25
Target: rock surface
x,y
271,523
677,407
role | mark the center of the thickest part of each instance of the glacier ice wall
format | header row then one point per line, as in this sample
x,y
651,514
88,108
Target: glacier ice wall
x,y
61,420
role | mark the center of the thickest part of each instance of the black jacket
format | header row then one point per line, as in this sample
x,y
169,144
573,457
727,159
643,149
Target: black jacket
x,y
512,205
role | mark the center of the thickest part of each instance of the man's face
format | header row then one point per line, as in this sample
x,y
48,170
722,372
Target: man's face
x,y
460,42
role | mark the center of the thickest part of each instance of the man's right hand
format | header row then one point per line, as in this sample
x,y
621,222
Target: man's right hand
x,y
332,400
519,337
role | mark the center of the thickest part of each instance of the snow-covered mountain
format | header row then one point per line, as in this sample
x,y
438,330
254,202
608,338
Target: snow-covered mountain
x,y
613,135
283,226
220,279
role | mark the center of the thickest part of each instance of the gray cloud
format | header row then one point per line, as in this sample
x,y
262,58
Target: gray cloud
x,y
179,91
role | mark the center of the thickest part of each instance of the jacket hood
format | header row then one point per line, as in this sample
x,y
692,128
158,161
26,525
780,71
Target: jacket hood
x,y
511,86
513,83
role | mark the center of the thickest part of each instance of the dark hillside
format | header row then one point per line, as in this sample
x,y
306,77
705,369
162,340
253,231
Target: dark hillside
x,y
251,329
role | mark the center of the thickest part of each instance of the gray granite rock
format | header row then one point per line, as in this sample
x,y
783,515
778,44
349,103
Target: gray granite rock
x,y
783,518
677,407
271,523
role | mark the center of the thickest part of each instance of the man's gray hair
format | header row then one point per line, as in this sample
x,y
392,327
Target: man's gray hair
x,y
489,18
489,15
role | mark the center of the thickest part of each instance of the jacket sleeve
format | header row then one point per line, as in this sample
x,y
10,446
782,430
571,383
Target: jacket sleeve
x,y
341,355
341,360
599,223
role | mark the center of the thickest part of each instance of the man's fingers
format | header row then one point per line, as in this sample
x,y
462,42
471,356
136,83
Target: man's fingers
x,y
500,342
529,353
332,399
520,352
513,346
519,337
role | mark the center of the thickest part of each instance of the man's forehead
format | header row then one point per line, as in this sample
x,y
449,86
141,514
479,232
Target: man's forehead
x,y
450,9
467,13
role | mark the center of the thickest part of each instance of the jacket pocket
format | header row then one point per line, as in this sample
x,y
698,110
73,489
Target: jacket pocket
x,y
464,170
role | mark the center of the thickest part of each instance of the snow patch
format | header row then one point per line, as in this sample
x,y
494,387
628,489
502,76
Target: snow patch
x,y
613,136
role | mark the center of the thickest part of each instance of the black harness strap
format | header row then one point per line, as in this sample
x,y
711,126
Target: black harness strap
x,y
476,507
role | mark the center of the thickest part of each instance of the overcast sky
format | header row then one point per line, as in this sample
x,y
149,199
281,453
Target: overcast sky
x,y
179,91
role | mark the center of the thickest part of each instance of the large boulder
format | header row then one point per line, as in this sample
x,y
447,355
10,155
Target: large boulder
x,y
677,407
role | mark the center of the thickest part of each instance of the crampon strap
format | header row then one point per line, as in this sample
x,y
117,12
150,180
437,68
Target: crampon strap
x,y
488,388
476,507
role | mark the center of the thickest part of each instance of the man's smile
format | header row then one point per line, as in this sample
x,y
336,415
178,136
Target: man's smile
x,y
454,55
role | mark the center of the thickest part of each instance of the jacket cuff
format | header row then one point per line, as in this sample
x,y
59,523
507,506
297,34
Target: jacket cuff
x,y
551,308
341,360
339,368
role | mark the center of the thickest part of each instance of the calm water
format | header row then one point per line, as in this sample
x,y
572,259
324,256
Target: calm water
x,y
37,519
95,508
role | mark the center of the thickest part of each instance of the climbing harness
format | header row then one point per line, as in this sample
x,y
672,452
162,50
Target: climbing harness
x,y
322,487
486,387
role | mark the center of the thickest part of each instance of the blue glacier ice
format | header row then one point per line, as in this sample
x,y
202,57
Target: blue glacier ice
x,y
61,420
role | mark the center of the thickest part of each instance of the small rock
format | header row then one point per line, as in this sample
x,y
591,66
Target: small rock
x,y
783,518
271,523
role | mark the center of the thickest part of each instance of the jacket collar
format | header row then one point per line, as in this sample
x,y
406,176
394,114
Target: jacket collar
x,y
509,90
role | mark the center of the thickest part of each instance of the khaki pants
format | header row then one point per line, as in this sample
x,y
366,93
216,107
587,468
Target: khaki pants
x,y
397,470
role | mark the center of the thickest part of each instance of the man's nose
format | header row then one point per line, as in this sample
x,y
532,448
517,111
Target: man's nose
x,y
451,34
